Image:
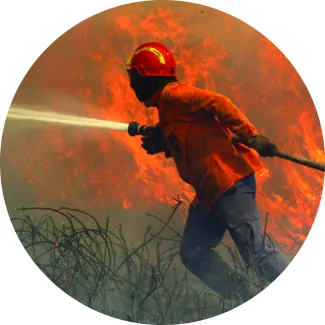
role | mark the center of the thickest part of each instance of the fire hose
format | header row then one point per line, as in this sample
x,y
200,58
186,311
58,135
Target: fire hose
x,y
135,129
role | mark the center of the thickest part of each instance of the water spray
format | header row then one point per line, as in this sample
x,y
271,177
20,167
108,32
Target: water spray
x,y
133,129
21,114
56,118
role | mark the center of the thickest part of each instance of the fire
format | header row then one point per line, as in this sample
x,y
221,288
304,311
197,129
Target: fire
x,y
83,73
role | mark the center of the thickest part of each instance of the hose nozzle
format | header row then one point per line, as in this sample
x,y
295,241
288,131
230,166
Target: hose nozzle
x,y
136,129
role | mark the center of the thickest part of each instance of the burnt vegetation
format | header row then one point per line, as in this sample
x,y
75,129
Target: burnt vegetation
x,y
144,283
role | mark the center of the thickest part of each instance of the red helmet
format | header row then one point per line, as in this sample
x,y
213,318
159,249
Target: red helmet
x,y
153,59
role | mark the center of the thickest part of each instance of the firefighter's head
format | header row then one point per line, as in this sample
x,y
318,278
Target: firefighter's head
x,y
150,67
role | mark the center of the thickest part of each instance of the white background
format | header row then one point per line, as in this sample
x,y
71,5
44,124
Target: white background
x,y
28,28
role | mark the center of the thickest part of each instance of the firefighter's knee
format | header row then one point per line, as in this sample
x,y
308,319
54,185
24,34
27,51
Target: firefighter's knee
x,y
187,253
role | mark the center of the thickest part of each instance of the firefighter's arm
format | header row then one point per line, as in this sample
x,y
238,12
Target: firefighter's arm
x,y
227,113
233,118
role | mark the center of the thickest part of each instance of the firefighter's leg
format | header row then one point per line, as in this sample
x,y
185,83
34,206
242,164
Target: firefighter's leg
x,y
239,211
201,234
257,250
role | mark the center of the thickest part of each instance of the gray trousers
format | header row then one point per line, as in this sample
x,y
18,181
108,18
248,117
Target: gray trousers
x,y
236,212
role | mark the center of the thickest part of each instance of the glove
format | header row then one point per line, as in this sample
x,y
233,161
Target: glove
x,y
262,145
154,142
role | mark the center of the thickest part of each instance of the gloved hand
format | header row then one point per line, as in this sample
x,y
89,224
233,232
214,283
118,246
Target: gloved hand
x,y
154,142
262,145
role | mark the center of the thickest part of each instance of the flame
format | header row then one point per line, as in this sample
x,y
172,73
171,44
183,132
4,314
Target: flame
x,y
83,73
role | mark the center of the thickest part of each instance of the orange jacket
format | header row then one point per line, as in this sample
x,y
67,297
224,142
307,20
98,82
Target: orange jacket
x,y
198,126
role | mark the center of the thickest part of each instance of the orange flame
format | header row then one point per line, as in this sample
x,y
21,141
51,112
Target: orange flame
x,y
83,72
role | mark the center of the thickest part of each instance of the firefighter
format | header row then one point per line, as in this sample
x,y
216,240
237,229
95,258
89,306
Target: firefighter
x,y
195,128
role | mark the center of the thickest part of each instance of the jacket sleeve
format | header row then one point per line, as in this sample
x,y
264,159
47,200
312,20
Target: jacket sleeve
x,y
223,108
